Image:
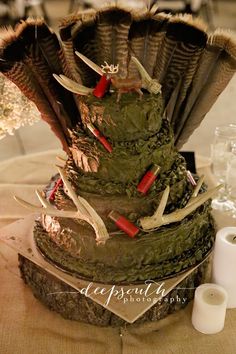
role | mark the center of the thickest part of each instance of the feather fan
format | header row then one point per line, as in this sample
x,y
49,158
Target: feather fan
x,y
216,78
192,66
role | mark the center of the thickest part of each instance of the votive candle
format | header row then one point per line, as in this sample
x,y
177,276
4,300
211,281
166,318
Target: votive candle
x,y
224,262
209,308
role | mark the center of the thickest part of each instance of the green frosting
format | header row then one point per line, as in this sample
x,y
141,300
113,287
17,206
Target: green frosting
x,y
154,255
131,207
90,184
126,120
139,137
129,159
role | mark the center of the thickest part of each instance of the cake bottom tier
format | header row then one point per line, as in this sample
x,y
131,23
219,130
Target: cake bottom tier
x,y
74,306
123,260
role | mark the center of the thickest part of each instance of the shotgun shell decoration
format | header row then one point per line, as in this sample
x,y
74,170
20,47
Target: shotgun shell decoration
x,y
191,179
102,86
148,179
100,137
123,224
56,186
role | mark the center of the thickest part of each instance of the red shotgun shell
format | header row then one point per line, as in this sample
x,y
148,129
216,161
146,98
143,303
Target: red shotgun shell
x,y
100,137
123,224
56,186
148,179
102,86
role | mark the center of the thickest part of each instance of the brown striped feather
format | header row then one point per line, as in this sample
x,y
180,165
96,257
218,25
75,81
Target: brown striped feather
x,y
69,62
145,37
172,49
83,33
24,79
217,80
47,41
206,64
185,84
43,69
182,43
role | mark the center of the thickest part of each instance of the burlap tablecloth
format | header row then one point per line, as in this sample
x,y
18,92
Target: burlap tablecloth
x,y
27,327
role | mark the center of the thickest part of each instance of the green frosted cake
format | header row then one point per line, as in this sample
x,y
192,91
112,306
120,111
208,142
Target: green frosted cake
x,y
72,245
122,90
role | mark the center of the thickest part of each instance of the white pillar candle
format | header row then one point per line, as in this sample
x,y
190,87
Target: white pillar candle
x,y
224,262
209,308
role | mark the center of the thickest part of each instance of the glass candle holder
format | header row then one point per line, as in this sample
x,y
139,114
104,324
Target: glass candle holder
x,y
231,182
222,150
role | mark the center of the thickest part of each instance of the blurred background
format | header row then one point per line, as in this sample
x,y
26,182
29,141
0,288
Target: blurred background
x,y
38,137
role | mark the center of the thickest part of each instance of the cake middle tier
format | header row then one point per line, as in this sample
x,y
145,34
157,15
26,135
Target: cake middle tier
x,y
129,159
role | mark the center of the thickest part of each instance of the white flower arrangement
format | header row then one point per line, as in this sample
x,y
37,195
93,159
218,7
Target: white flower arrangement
x,y
15,109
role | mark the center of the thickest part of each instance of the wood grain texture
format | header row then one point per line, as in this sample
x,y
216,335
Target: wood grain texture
x,y
72,305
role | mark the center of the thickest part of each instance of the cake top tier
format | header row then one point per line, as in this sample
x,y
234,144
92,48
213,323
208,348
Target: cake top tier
x,y
129,119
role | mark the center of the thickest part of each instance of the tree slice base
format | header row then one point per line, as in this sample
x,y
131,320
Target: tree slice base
x,y
74,306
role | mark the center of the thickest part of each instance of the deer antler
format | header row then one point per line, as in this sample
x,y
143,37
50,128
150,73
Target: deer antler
x,y
196,189
84,210
104,69
110,69
159,218
90,63
72,86
61,158
152,85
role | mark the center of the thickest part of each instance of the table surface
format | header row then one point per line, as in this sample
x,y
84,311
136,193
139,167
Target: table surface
x,y
26,326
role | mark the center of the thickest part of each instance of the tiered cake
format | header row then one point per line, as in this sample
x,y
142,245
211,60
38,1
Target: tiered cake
x,y
123,209
140,138
70,244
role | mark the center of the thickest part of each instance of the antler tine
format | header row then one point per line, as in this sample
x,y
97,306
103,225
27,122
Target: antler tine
x,y
197,188
110,69
84,211
88,213
43,201
72,86
157,217
90,63
152,85
162,205
70,83
149,223
189,208
144,74
96,222
60,158
114,69
26,204
50,211
71,193
106,66
65,85
81,88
